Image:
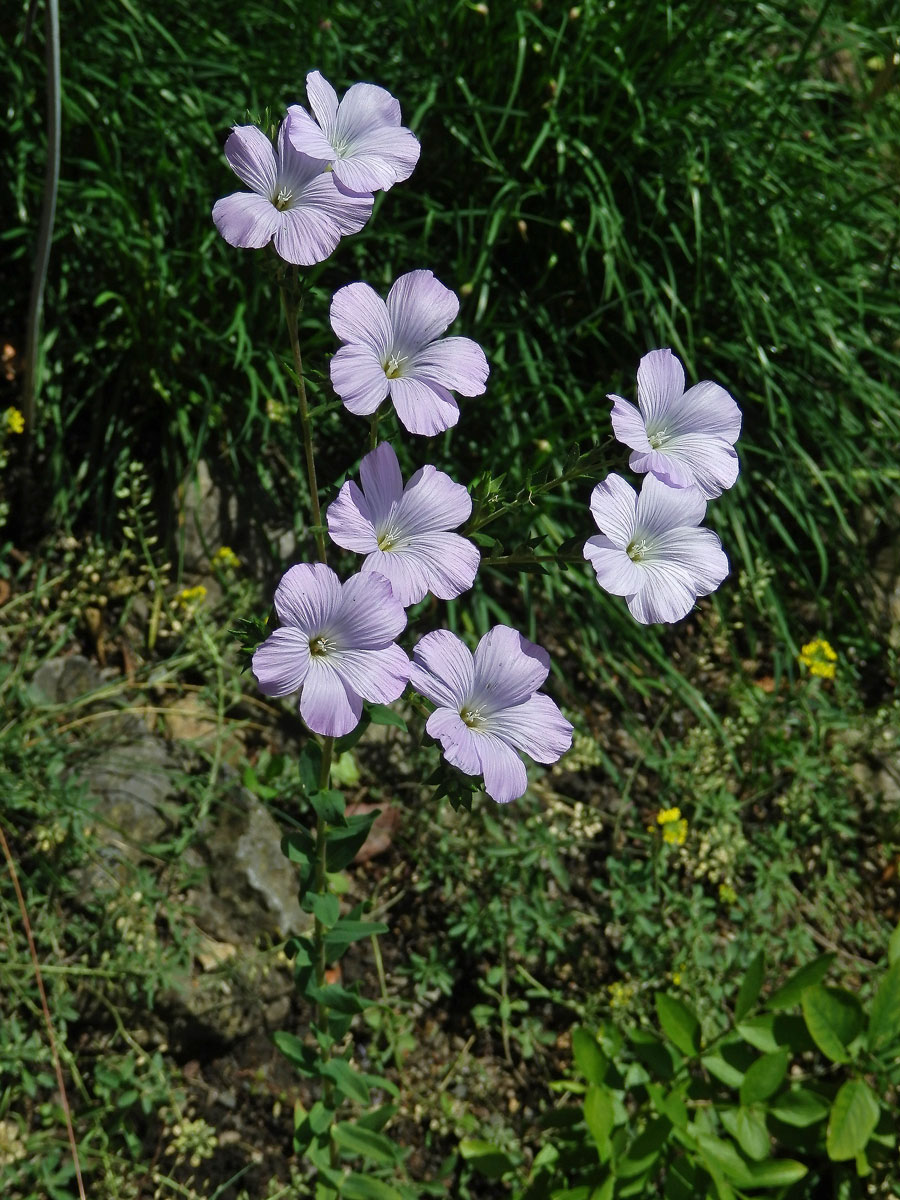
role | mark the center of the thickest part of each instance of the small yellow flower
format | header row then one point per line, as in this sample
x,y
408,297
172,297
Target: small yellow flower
x,y
188,597
676,978
727,894
666,816
276,411
225,558
15,422
620,994
819,658
675,834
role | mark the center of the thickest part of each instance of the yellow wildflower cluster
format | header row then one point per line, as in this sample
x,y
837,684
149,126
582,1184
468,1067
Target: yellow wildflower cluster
x,y
188,597
727,894
14,421
226,559
620,994
674,826
819,658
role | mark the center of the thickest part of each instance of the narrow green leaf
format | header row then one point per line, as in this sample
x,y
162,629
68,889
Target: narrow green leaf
x,y
854,1116
792,989
833,1017
884,1017
320,1117
382,715
748,1128
799,1107
487,1159
348,1081
298,846
362,1187
589,1058
297,1052
764,1077
329,805
347,931
776,1173
751,985
374,1147
327,908
679,1023
599,1115
344,843
336,997
894,945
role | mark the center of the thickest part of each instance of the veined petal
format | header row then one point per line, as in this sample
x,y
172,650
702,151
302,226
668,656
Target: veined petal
x,y
628,425
508,668
711,462
350,521
613,503
665,596
536,727
455,362
616,572
663,466
322,100
281,662
252,158
422,407
432,501
370,616
456,738
308,596
660,382
306,236
505,777
377,675
706,408
326,704
403,570
358,377
306,136
661,508
358,314
699,554
444,564
364,108
420,309
377,160
247,220
382,481
443,669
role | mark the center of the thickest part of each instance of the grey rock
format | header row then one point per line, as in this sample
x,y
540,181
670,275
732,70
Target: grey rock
x,y
62,680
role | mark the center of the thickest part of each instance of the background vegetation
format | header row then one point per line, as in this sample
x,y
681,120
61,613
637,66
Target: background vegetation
x,y
595,181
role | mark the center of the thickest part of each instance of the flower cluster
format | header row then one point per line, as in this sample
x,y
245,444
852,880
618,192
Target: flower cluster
x,y
650,548
819,658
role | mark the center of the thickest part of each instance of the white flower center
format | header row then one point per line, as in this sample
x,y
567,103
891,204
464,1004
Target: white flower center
x,y
393,365
637,549
658,439
391,537
472,716
321,646
283,198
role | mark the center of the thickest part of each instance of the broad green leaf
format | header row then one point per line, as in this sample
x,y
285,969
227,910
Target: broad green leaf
x,y
793,988
729,1062
599,1116
298,847
361,1187
374,1147
721,1156
669,1104
799,1107
772,1031
776,1172
344,843
348,1081
382,715
884,1017
764,1077
751,985
679,1023
329,805
347,931
589,1058
854,1115
748,1128
320,1117
336,997
296,1051
327,908
487,1159
833,1017
645,1148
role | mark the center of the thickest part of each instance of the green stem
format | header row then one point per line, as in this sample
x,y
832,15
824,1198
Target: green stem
x,y
513,560
373,428
320,878
291,308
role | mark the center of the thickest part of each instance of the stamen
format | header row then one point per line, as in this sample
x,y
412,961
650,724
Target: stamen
x,y
283,198
658,439
393,365
321,646
473,717
637,549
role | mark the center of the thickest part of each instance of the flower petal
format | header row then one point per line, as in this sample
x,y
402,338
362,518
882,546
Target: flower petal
x,y
455,362
663,466
359,379
665,596
613,503
711,464
326,705
350,521
369,617
317,219
616,572
443,669
420,309
422,407
281,662
432,501
661,508
536,727
377,675
700,555
508,668
308,596
505,777
444,564
247,220
358,314
456,738
377,161
628,425
322,100
382,481
707,408
252,158
660,382
364,108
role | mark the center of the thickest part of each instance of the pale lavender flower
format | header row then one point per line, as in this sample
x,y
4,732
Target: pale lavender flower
x,y
294,199
650,550
361,137
403,531
489,707
684,438
336,643
396,349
